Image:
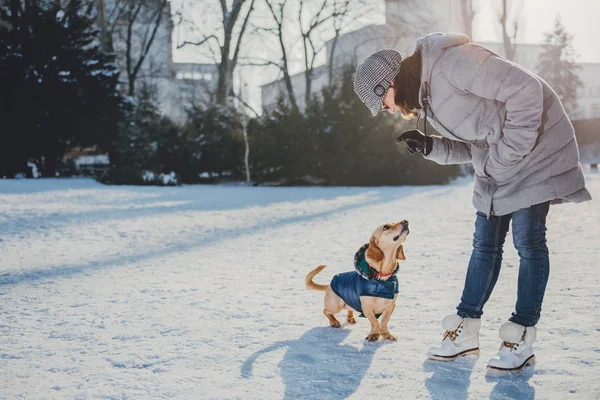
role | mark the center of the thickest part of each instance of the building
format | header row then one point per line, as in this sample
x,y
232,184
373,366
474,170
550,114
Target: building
x,y
193,83
177,85
405,21
353,47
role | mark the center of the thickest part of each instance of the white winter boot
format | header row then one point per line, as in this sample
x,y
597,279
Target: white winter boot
x,y
461,338
516,351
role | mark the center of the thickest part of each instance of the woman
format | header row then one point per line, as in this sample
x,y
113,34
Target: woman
x,y
512,127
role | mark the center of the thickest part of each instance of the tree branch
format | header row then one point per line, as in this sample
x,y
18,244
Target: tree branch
x,y
241,35
146,49
200,43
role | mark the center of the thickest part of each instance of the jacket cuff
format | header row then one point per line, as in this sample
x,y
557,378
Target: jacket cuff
x,y
437,152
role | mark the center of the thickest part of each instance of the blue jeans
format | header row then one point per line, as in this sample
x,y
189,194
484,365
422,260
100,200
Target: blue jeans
x,y
529,238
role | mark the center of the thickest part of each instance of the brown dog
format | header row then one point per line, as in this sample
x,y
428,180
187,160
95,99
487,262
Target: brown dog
x,y
372,288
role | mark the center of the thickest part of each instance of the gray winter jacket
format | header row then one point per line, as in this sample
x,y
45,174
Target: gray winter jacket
x,y
503,119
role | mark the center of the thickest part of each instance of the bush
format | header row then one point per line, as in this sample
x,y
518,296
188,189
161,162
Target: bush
x,y
146,141
214,144
337,142
149,147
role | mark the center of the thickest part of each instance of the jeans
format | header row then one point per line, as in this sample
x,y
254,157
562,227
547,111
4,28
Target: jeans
x,y
529,238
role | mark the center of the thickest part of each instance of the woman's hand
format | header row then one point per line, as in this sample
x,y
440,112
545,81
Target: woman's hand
x,y
416,142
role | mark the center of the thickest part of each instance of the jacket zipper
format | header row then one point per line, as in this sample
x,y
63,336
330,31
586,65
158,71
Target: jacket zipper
x,y
492,213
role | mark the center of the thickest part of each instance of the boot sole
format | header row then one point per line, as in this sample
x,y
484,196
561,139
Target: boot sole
x,y
454,357
530,360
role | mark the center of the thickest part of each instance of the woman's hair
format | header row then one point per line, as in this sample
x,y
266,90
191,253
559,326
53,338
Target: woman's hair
x,y
407,84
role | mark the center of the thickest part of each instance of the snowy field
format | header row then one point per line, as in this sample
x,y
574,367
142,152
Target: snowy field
x,y
197,292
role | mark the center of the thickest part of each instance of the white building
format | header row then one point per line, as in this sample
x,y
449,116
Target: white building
x,y
177,84
353,47
405,21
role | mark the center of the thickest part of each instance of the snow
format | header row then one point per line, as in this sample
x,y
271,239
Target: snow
x,y
92,159
198,292
34,170
148,176
590,153
168,179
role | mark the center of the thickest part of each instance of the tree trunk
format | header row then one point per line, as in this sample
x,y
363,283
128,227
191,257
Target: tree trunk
x,y
509,46
330,61
224,81
468,14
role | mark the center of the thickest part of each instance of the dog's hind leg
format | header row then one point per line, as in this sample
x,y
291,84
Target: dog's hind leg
x,y
333,305
350,318
332,319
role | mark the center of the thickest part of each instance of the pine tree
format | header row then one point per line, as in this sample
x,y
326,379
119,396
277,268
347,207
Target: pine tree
x,y
556,65
58,89
337,142
215,141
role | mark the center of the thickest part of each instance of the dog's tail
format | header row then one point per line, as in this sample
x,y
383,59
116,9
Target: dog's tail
x,y
309,279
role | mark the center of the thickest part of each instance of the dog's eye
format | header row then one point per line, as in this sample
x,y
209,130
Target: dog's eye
x,y
386,227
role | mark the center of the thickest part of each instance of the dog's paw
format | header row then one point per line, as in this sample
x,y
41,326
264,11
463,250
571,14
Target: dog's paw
x,y
335,324
351,320
373,337
389,336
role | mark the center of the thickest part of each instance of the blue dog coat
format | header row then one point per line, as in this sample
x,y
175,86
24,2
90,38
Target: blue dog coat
x,y
350,286
363,282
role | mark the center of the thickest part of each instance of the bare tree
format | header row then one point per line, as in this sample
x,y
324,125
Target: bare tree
x,y
312,29
135,23
468,14
508,38
327,11
404,19
108,18
229,41
338,25
143,20
277,12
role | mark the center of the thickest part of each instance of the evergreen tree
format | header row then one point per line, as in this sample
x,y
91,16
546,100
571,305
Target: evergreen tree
x,y
147,144
58,89
215,142
337,142
556,65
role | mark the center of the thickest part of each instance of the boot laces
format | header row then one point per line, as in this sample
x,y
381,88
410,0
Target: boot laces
x,y
511,346
452,335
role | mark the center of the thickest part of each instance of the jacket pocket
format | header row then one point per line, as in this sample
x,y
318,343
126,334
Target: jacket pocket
x,y
479,158
499,172
505,174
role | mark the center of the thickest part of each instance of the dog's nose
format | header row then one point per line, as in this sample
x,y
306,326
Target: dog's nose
x,y
404,222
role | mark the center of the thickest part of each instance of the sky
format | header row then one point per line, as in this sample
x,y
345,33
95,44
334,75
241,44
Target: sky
x,y
580,18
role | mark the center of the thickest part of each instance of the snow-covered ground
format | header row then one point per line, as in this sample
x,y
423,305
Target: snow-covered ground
x,y
197,292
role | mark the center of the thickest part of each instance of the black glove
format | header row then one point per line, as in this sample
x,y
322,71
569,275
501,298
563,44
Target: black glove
x,y
416,142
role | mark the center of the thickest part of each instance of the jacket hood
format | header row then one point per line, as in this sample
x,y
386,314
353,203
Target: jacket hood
x,y
432,46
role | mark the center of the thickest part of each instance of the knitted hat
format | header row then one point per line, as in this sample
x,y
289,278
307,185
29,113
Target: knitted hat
x,y
374,77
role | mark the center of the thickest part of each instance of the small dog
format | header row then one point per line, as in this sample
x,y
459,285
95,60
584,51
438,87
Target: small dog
x,y
372,288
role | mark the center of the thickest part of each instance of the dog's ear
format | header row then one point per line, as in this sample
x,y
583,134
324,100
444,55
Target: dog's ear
x,y
374,251
400,253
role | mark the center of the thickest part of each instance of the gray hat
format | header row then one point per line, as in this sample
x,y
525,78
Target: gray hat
x,y
374,76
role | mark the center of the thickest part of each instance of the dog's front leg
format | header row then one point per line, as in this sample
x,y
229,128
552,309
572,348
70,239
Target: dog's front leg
x,y
385,317
369,312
